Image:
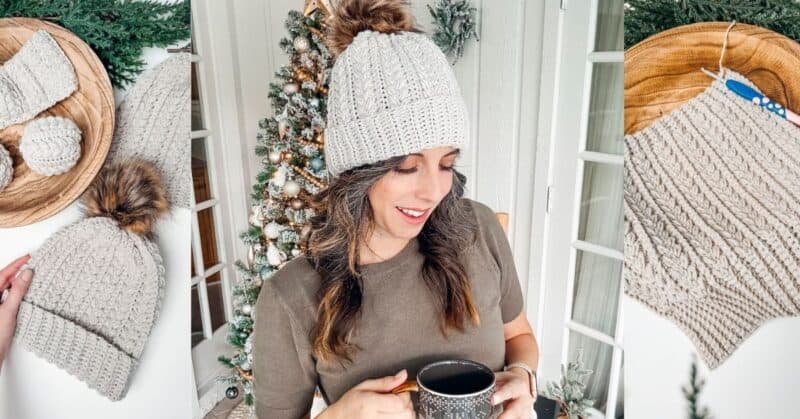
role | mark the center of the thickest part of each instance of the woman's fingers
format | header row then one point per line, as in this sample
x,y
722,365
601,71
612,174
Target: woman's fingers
x,y
8,273
18,289
393,403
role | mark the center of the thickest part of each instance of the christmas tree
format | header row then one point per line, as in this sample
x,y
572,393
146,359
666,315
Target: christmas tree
x,y
293,170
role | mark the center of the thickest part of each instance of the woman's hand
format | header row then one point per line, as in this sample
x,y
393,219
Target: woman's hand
x,y
17,286
373,399
513,388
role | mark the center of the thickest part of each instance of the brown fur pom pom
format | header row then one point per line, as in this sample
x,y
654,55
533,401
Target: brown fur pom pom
x,y
130,192
349,17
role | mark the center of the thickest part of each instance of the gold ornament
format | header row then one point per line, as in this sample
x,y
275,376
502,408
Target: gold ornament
x,y
307,176
320,138
286,155
297,204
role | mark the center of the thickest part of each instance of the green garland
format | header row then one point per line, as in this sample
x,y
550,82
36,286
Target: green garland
x,y
648,17
117,30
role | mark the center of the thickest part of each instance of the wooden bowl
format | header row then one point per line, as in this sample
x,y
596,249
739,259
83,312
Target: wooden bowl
x,y
663,71
31,197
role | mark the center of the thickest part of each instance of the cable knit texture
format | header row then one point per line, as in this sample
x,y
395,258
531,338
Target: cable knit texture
x,y
51,145
153,123
391,95
712,207
37,77
95,296
6,168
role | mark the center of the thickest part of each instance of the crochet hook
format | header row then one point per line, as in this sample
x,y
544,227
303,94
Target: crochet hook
x,y
751,95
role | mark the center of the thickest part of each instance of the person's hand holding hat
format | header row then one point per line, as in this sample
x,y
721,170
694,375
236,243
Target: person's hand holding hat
x,y
13,285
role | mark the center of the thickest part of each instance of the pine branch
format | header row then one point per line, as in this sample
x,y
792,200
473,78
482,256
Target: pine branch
x,y
644,18
117,30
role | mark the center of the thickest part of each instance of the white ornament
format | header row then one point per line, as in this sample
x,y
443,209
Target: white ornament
x,y
280,177
274,157
301,44
273,255
295,252
290,88
291,188
247,308
273,230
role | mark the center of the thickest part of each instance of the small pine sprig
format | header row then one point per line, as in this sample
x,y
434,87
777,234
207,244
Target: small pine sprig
x,y
692,392
570,391
644,18
454,24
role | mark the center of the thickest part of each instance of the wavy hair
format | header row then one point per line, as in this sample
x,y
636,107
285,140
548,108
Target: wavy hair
x,y
345,220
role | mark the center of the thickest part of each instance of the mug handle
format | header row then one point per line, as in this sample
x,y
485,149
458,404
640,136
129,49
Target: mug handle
x,y
409,385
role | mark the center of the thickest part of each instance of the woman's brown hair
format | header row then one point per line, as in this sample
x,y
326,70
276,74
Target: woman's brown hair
x,y
344,220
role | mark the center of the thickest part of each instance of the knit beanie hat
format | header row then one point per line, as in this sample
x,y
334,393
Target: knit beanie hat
x,y
153,124
98,283
712,208
51,145
37,77
392,91
6,168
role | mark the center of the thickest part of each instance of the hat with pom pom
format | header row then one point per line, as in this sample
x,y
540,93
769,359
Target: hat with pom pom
x,y
392,91
99,282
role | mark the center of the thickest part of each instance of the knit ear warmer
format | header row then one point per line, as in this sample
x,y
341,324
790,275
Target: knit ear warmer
x,y
51,145
712,208
37,77
98,283
6,168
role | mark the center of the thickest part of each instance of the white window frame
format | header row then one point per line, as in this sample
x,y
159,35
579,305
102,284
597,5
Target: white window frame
x,y
215,73
569,75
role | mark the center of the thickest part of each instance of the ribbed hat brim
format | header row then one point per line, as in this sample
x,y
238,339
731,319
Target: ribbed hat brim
x,y
76,350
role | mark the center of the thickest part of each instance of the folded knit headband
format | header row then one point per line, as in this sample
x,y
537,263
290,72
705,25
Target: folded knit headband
x,y
392,91
712,208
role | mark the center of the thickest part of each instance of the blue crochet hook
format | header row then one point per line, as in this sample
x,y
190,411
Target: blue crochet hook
x,y
752,95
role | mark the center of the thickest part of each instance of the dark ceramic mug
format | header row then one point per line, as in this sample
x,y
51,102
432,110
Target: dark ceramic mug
x,y
453,389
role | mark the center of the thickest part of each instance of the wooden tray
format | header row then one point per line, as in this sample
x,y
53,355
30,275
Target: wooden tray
x,y
663,71
31,197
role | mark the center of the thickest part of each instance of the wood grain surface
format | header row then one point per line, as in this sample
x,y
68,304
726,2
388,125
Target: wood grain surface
x,y
31,197
663,71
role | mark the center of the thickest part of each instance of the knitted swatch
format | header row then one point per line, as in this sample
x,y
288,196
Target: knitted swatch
x,y
153,124
34,79
712,208
391,95
6,168
51,145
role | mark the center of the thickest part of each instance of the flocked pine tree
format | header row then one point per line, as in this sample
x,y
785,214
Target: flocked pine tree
x,y
292,146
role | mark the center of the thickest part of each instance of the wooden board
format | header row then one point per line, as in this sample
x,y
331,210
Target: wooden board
x,y
663,71
31,197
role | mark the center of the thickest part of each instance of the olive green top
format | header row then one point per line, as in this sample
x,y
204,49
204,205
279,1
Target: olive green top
x,y
398,329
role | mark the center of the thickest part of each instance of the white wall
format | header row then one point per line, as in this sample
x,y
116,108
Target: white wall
x,y
161,386
499,79
759,380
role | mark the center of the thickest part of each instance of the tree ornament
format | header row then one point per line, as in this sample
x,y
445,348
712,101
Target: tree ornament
x,y
297,204
300,44
320,138
290,88
232,392
274,255
274,157
247,309
279,178
295,252
291,188
316,163
251,257
256,218
286,155
273,230
258,282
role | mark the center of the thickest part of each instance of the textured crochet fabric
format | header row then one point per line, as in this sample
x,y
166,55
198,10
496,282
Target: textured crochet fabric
x,y
51,145
712,208
153,123
95,296
391,95
6,168
34,79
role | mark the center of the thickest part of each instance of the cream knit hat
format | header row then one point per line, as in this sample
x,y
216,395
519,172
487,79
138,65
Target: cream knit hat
x,y
712,209
37,77
391,94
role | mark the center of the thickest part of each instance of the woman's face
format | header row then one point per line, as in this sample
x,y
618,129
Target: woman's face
x,y
403,199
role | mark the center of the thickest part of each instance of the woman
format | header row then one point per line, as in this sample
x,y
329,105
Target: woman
x,y
401,270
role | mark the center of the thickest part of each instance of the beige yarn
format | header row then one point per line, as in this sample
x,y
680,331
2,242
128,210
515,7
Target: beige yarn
x,y
37,77
51,145
712,208
391,95
6,168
